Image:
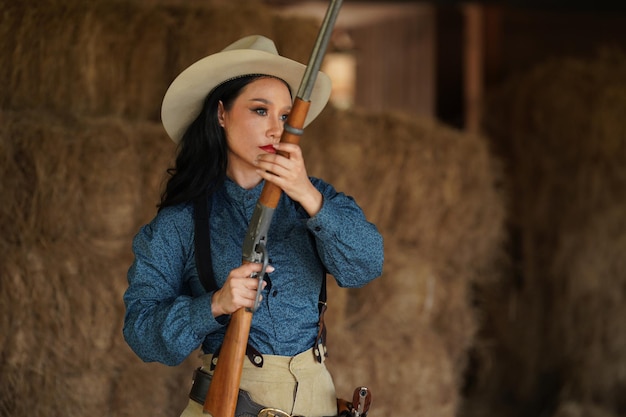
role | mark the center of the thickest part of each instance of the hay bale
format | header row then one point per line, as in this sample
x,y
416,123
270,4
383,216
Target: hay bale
x,y
392,345
63,174
110,57
75,192
559,322
426,185
591,269
577,409
432,192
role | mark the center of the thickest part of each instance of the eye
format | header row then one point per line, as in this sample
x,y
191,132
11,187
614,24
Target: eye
x,y
261,111
284,117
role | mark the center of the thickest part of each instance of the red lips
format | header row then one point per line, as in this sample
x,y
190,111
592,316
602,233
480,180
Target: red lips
x,y
268,148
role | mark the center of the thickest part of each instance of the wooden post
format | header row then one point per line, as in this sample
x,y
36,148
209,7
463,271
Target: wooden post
x,y
473,63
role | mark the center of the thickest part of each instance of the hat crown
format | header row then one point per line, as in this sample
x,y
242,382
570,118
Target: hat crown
x,y
254,42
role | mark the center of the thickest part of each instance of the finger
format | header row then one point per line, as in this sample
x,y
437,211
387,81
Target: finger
x,y
255,278
249,268
292,149
273,162
273,174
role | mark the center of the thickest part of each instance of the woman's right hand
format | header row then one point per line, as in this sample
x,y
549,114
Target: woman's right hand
x,y
239,290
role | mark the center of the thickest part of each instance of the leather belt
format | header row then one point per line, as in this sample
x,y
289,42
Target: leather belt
x,y
245,406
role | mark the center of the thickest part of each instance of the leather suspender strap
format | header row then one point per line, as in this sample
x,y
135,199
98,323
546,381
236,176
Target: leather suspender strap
x,y
319,348
320,341
202,236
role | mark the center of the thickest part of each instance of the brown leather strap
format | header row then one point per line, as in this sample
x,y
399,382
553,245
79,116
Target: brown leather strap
x,y
254,356
320,341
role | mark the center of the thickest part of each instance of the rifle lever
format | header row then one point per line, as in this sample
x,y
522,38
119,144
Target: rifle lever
x,y
262,250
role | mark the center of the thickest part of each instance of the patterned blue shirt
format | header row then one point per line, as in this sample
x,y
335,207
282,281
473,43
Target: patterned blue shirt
x,y
168,312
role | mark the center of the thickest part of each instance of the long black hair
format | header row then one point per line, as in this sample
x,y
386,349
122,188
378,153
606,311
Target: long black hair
x,y
202,158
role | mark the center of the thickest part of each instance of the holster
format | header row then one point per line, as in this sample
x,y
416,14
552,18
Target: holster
x,y
245,406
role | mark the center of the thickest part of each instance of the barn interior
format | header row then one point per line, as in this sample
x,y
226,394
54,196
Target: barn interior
x,y
485,139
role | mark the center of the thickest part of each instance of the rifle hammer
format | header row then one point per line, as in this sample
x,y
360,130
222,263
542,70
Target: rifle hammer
x,y
361,400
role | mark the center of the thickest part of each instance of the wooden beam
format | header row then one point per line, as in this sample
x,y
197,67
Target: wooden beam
x,y
473,65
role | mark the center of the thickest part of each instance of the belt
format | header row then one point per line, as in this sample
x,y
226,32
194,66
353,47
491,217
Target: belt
x,y
245,406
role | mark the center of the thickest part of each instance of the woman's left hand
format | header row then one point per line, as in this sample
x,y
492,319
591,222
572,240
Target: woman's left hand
x,y
289,173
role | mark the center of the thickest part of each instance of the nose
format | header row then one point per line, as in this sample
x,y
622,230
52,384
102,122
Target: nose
x,y
275,129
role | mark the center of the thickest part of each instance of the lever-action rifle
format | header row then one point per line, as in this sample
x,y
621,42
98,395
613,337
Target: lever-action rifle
x,y
221,400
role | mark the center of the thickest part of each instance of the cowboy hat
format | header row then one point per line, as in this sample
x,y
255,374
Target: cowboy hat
x,y
254,54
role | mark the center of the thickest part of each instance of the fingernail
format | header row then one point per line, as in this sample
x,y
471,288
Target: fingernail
x,y
270,268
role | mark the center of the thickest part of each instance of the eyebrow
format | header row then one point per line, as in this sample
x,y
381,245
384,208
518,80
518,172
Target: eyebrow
x,y
266,101
262,100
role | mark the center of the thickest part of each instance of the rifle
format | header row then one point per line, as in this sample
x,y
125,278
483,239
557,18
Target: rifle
x,y
221,400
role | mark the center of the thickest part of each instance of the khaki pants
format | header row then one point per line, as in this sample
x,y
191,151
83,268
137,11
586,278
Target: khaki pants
x,y
298,385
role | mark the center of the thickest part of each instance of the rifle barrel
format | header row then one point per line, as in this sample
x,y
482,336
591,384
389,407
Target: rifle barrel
x,y
319,50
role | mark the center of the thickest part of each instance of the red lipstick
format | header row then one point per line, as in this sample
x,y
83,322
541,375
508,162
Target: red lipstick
x,y
268,148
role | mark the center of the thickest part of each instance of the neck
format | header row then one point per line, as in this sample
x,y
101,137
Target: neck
x,y
245,179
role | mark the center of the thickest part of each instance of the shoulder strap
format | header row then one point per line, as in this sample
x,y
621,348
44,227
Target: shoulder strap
x,y
204,264
323,294
319,349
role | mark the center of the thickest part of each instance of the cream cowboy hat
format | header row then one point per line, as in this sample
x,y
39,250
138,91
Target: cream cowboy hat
x,y
255,54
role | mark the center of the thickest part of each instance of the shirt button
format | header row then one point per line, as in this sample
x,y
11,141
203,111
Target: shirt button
x,y
317,228
275,293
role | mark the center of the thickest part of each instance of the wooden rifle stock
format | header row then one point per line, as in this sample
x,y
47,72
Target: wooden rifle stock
x,y
221,400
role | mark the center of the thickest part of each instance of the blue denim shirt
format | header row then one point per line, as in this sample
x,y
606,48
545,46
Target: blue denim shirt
x,y
168,312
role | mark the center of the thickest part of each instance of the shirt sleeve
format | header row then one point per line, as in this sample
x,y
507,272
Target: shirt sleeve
x,y
350,247
164,322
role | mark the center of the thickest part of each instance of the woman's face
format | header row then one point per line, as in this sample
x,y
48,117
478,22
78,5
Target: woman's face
x,y
255,119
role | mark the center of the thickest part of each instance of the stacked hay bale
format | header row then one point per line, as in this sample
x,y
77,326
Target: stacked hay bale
x,y
74,189
559,326
432,192
83,156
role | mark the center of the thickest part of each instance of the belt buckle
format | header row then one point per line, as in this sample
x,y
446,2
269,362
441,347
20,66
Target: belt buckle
x,y
272,412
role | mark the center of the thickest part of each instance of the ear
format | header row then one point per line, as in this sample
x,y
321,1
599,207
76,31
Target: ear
x,y
220,113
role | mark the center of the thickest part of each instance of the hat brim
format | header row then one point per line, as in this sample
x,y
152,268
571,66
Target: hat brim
x,y
185,97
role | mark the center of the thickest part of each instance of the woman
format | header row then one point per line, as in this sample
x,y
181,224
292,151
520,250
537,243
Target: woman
x,y
227,112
